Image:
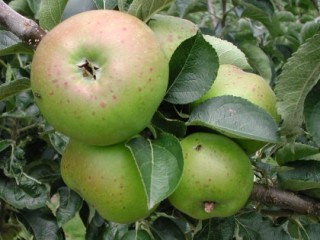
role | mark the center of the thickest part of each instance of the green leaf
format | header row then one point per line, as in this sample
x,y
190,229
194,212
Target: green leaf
x,y
217,229
173,126
4,144
43,224
193,68
11,44
301,177
312,113
183,6
261,14
30,195
105,4
69,204
165,228
300,74
253,226
160,163
13,87
136,235
309,29
228,53
144,9
50,13
258,60
294,152
235,117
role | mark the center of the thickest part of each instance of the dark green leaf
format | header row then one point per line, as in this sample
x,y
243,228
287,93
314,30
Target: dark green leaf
x,y
43,224
258,60
144,9
217,229
294,152
309,29
4,144
253,226
69,204
193,68
302,177
173,126
300,74
11,44
164,228
260,13
312,113
30,194
13,87
50,13
136,235
237,117
160,163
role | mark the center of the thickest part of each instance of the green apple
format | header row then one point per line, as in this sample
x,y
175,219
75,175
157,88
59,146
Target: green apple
x,y
107,178
231,80
171,31
99,76
217,179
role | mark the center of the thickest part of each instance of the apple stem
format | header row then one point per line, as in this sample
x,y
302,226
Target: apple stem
x,y
208,206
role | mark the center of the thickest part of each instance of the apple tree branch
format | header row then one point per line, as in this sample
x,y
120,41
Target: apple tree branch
x,y
26,29
285,200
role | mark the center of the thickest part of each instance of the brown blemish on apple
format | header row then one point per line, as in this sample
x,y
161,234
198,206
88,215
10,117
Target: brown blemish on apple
x,y
65,84
51,93
102,104
139,89
93,113
208,206
114,97
151,69
198,147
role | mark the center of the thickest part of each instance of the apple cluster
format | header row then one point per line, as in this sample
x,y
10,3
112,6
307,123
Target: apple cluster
x,y
99,77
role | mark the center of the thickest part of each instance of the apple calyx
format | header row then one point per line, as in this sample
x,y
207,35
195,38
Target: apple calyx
x,y
89,70
208,206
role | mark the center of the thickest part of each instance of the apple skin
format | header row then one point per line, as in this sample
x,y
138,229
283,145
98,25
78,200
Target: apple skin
x,y
107,178
99,76
232,80
171,31
216,171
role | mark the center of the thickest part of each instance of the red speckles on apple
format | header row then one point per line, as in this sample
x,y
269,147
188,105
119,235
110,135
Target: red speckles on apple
x,y
170,38
65,85
124,29
102,104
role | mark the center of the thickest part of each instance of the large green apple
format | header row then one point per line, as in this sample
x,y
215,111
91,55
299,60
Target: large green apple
x,y
217,178
171,31
99,76
107,178
231,80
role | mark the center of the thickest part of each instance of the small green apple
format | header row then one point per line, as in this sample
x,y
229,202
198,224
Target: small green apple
x,y
107,178
99,76
217,179
171,31
231,80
